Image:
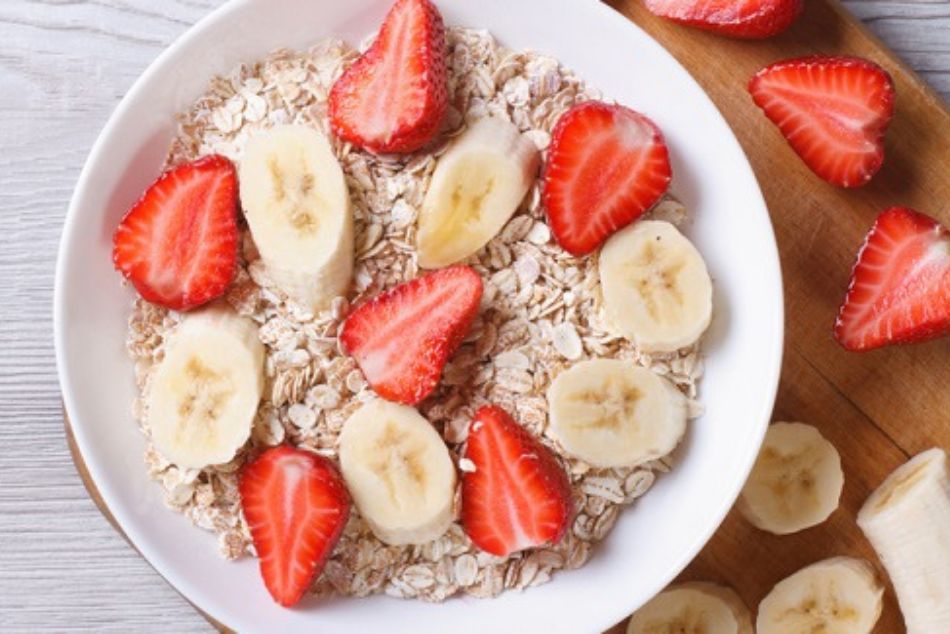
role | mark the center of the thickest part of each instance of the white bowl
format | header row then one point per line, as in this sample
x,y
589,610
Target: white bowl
x,y
654,539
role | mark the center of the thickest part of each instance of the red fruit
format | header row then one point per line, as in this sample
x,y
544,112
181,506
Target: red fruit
x,y
518,496
750,19
393,97
402,338
296,505
900,285
833,111
178,243
606,166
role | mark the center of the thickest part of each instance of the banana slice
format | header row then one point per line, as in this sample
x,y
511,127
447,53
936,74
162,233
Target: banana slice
x,y
657,292
840,595
907,520
476,187
399,472
612,413
298,208
202,398
796,481
693,608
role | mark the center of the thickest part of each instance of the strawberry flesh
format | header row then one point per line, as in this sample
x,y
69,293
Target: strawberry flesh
x,y
178,243
834,112
750,19
393,98
518,496
296,506
402,338
900,285
606,166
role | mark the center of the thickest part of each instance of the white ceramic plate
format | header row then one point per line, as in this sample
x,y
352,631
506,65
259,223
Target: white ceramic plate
x,y
653,540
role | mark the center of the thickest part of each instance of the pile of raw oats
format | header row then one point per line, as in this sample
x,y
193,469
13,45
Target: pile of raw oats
x,y
541,312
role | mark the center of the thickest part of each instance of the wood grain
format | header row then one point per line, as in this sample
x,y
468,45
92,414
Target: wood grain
x,y
64,64
876,408
93,491
63,67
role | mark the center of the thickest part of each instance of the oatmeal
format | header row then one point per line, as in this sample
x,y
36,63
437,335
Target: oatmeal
x,y
541,311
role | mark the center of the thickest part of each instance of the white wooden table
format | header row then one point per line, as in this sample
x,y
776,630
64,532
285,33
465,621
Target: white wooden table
x,y
64,64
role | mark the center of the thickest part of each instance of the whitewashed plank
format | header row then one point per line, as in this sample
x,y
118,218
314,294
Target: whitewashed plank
x,y
64,64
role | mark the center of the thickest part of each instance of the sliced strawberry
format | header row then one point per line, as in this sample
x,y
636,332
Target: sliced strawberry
x,y
750,19
518,496
900,285
393,97
178,243
403,338
833,111
296,505
606,166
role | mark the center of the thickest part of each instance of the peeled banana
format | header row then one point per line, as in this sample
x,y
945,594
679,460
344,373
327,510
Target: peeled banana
x,y
657,292
907,520
612,413
476,187
201,400
840,595
796,481
399,472
297,206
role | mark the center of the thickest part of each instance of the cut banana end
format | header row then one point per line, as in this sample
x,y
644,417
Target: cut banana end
x,y
203,396
476,187
693,608
796,481
612,413
657,292
841,595
296,203
907,520
399,472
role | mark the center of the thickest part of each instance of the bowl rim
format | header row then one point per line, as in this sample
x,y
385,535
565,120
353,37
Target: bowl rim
x,y
97,472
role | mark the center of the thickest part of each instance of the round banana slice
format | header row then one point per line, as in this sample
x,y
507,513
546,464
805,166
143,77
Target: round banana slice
x,y
907,520
296,203
399,472
476,187
840,595
201,400
693,608
796,481
612,413
657,292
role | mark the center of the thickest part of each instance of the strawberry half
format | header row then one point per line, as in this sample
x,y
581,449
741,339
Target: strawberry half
x,y
749,19
178,243
402,338
296,505
833,111
606,166
900,285
393,97
518,496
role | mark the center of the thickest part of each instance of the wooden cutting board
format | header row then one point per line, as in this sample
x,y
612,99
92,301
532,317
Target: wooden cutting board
x,y
878,408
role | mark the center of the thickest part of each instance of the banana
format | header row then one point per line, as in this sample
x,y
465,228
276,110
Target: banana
x,y
612,413
796,481
475,188
298,208
693,608
399,472
907,520
657,292
202,398
840,595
